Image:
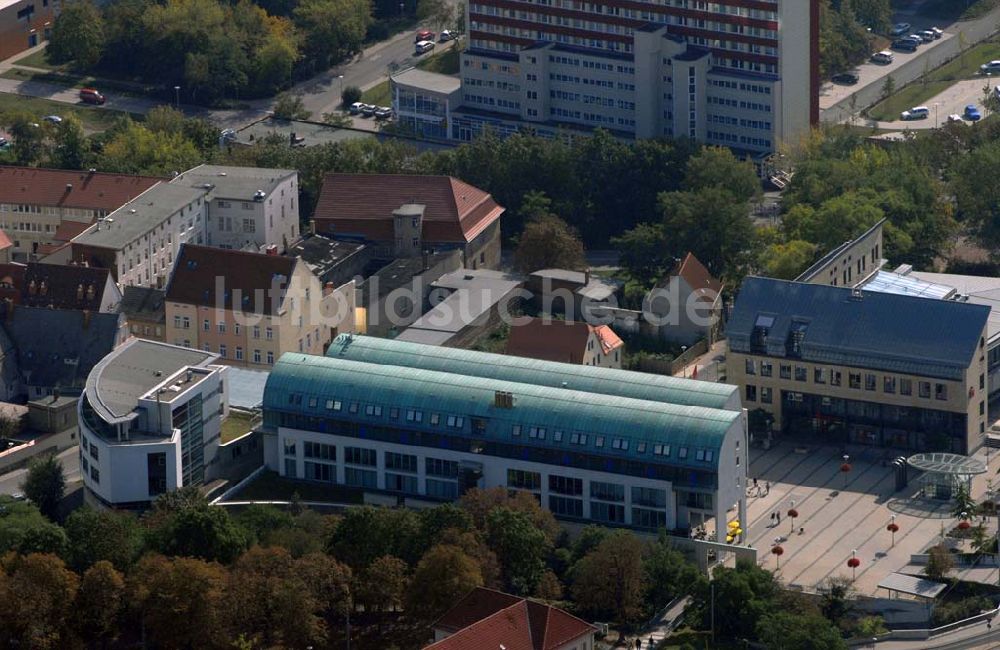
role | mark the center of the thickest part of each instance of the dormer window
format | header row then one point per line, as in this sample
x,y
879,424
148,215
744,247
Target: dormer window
x,y
758,338
797,332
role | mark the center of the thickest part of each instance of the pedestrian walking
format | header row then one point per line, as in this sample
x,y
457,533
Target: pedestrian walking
x,y
772,519
778,515
767,488
755,482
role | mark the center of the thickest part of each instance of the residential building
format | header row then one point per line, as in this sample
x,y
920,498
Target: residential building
x,y
145,312
50,350
486,618
688,303
25,24
249,208
332,261
36,203
565,341
395,424
463,307
249,308
56,286
851,263
730,73
407,215
140,241
424,101
850,366
150,419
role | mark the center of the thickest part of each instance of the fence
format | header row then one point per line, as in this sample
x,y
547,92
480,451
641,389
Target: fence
x,y
922,635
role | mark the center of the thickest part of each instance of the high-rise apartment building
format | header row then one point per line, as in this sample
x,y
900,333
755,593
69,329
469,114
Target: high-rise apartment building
x,y
738,73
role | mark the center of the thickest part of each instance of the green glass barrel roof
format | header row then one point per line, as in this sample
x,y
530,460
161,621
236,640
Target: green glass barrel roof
x,y
308,385
607,381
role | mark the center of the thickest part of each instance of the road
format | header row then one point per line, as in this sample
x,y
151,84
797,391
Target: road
x,y
10,483
952,101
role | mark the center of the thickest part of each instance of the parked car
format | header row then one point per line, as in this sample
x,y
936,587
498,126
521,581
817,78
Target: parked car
x,y
904,45
424,35
55,119
938,32
91,96
884,57
900,28
972,113
367,110
990,67
424,46
927,36
916,113
355,108
955,118
4,143
383,113
845,78
913,37
447,35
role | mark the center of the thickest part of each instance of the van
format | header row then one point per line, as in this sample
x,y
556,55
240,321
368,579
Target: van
x,y
884,57
916,113
424,46
904,45
91,96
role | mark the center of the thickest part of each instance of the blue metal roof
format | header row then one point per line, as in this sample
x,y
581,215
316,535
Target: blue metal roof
x,y
323,387
606,381
863,329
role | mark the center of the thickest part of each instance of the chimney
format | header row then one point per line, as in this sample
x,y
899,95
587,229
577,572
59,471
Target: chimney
x,y
32,289
586,277
43,288
90,292
79,292
86,319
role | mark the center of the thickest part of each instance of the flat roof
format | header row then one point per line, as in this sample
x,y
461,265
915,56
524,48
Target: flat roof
x,y
313,132
465,305
432,81
907,285
122,378
944,463
229,182
246,387
139,216
911,585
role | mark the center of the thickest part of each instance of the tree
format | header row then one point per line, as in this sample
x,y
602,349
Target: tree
x,y
869,626
100,602
668,575
333,29
939,563
786,261
290,107
25,530
350,95
787,631
382,584
642,252
134,149
36,596
443,575
520,546
479,503
710,222
888,86
609,580
366,533
548,242
837,220
102,535
45,484
549,588
747,593
438,13
195,529
72,149
964,506
77,36
29,139
179,601
717,167
838,599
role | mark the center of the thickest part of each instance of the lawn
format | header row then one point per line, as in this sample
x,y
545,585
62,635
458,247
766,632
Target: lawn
x,y
378,95
38,60
915,94
966,66
235,426
444,63
956,9
272,487
93,119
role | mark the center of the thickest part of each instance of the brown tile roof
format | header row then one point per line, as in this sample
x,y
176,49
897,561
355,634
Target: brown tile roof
x,y
362,205
93,191
67,230
696,275
557,340
54,286
514,624
193,281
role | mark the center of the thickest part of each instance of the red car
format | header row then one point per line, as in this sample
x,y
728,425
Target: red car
x,y
91,96
424,35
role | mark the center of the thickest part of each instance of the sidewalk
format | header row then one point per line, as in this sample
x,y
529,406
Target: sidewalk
x,y
707,366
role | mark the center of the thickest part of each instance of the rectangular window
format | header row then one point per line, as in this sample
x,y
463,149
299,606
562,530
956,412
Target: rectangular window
x,y
270,356
239,353
607,512
360,456
819,375
536,432
363,478
888,384
442,468
766,395
646,518
291,468
801,373
413,415
941,391
751,393
607,491
523,480
256,356
925,389
563,507
854,380
401,462
682,453
835,379
320,472
905,386
751,367
565,485
319,450
766,369
870,381
401,483
352,407
441,489
785,371
650,497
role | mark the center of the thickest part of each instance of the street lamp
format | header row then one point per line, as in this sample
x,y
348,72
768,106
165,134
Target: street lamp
x,y
792,514
892,528
853,563
936,104
340,86
845,469
777,551
401,5
177,97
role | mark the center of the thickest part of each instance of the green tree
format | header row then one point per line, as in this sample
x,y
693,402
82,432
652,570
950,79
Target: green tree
x,y
839,219
25,530
609,580
137,150
548,242
45,485
480,503
333,29
787,631
36,594
350,95
747,593
964,504
520,546
786,261
103,535
193,528
439,14
72,148
366,533
443,575
290,107
869,626
99,605
712,223
939,563
837,599
28,145
668,575
382,584
77,36
888,86
718,168
643,251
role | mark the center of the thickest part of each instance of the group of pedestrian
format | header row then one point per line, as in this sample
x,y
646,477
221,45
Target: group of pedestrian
x,y
757,490
775,518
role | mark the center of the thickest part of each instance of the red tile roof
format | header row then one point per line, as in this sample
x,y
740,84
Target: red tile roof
x,y
5,241
488,620
67,230
51,187
557,340
362,205
193,281
696,275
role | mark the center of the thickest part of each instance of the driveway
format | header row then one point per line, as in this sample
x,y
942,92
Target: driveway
x,y
950,102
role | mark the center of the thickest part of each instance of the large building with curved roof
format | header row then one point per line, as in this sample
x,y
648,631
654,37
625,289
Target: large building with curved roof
x,y
630,450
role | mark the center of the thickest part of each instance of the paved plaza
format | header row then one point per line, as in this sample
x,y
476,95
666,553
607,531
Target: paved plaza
x,y
838,518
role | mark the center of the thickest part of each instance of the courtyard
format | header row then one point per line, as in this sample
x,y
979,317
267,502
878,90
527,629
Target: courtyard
x,y
841,513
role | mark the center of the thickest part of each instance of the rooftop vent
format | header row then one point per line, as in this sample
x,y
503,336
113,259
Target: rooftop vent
x,y
503,399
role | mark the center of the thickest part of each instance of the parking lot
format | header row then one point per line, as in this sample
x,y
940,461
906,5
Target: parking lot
x,y
839,513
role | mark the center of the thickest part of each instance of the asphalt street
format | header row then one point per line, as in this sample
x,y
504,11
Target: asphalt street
x,y
10,483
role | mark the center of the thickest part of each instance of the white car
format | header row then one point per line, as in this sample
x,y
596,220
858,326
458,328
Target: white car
x,y
992,66
916,113
955,118
447,35
900,28
423,46
55,119
885,57
356,108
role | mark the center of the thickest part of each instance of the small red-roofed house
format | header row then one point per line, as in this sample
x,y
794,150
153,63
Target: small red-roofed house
x,y
492,620
687,304
566,341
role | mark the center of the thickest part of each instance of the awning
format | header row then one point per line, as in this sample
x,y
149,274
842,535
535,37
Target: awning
x,y
911,585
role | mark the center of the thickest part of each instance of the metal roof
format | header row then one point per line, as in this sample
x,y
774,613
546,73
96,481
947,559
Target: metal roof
x,y
943,463
912,585
246,387
906,285
606,381
308,385
862,329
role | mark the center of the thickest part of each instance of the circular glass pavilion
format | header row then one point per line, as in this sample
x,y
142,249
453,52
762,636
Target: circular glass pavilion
x,y
943,473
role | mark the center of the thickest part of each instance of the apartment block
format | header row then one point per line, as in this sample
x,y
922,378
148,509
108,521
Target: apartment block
x,y
25,24
842,365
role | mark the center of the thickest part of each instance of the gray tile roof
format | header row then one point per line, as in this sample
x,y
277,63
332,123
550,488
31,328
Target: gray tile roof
x,y
153,207
144,303
229,182
863,329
